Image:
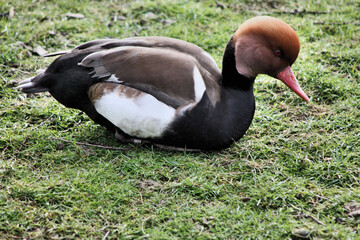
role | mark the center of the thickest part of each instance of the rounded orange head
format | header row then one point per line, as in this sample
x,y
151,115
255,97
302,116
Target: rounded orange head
x,y
267,45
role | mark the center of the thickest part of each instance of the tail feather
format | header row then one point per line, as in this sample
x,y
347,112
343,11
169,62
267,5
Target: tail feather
x,y
31,85
25,81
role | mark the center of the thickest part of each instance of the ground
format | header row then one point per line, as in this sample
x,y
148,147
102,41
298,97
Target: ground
x,y
296,171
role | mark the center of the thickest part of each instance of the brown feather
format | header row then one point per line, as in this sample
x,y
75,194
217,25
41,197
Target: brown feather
x,y
96,91
157,71
159,43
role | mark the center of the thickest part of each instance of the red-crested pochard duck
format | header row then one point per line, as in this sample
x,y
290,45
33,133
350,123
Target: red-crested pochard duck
x,y
169,92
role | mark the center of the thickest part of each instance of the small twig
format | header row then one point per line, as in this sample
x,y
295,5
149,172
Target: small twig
x,y
321,197
302,12
15,69
315,219
295,207
142,225
89,144
106,234
43,122
23,143
337,23
309,216
145,142
141,198
178,149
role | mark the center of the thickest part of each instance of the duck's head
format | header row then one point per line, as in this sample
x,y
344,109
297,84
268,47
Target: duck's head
x,y
267,45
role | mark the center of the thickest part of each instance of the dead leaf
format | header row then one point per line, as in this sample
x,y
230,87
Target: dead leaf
x,y
245,199
353,207
301,233
11,12
51,33
60,146
168,21
40,51
119,18
220,5
148,184
19,43
354,213
150,15
75,15
8,15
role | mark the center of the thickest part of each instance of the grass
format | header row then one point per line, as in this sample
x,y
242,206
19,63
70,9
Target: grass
x,y
297,167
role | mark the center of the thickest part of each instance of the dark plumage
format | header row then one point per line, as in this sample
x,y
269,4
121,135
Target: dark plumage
x,y
169,92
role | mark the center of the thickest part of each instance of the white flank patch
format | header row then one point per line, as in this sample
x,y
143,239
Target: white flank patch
x,y
140,116
113,79
209,57
199,85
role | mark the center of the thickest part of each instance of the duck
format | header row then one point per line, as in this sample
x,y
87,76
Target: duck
x,y
168,92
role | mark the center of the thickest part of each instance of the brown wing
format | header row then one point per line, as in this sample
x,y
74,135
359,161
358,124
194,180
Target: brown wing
x,y
204,59
165,73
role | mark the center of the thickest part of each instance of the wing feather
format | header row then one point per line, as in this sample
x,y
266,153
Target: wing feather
x,y
162,67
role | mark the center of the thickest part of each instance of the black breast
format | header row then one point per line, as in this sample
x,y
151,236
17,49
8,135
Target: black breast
x,y
211,128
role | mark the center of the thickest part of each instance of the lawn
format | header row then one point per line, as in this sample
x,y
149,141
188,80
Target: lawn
x,y
295,172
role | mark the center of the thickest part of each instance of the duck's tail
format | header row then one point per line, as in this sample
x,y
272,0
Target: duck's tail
x,y
33,84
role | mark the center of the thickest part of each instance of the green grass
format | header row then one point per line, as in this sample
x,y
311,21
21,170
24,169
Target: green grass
x,y
297,167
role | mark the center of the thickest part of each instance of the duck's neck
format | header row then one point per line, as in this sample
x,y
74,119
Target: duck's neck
x,y
230,76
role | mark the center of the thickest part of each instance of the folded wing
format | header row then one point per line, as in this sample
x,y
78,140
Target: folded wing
x,y
171,70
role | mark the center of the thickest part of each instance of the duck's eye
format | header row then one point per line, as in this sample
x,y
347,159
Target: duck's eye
x,y
278,52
